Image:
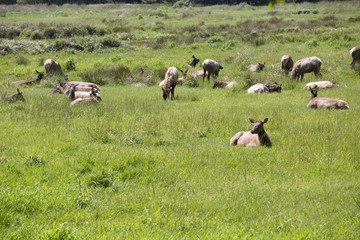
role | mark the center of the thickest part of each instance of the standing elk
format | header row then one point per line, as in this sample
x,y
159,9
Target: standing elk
x,y
306,65
171,78
52,67
355,53
286,64
40,75
212,68
329,103
256,137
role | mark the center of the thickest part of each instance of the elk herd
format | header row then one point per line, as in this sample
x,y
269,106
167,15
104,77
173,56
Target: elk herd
x,y
82,92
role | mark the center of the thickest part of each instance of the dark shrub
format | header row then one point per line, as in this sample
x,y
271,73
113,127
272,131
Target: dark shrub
x,y
36,36
50,33
110,42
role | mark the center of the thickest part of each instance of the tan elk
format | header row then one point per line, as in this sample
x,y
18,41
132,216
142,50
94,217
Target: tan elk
x,y
256,68
286,64
52,67
256,137
306,65
329,103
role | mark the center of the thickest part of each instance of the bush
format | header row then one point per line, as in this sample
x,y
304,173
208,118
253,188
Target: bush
x,y
69,64
21,60
36,36
192,82
110,42
50,33
113,74
5,50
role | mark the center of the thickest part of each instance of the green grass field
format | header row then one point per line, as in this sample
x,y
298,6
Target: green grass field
x,y
137,167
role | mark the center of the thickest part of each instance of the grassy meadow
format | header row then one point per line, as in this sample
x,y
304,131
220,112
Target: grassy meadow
x,y
137,167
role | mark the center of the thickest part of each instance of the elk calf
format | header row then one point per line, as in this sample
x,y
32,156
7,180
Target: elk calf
x,y
16,96
40,75
256,68
256,137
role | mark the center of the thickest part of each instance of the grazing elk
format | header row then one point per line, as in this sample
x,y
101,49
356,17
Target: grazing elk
x,y
40,75
256,137
355,53
212,68
329,103
194,61
256,68
16,96
306,65
52,67
171,78
286,64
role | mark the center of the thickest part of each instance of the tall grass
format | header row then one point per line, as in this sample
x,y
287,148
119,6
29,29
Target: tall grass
x,y
136,166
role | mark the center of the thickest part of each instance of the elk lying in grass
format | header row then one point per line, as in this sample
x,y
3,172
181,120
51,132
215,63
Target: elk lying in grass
x,y
256,137
194,61
223,84
75,94
16,96
256,68
329,103
320,84
40,75
262,88
52,67
306,65
212,68
171,78
181,80
355,53
64,88
286,64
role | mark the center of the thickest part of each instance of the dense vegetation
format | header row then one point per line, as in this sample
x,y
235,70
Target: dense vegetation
x,y
177,2
136,166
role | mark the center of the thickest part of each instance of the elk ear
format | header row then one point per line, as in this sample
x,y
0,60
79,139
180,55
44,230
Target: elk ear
x,y
265,120
275,82
182,71
163,89
251,120
36,71
18,90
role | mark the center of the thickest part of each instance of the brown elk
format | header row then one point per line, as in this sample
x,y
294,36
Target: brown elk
x,y
329,103
194,61
256,137
16,96
40,75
